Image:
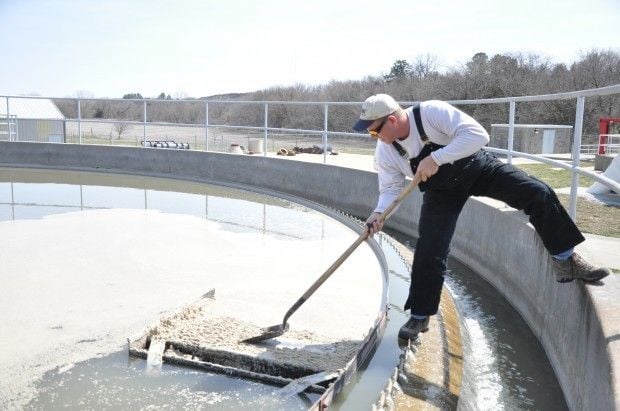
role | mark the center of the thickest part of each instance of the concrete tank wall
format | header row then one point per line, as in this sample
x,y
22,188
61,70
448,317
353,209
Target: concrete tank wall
x,y
577,325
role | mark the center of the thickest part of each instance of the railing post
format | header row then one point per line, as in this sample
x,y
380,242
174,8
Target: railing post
x,y
266,126
79,107
144,133
572,206
326,109
511,130
8,120
206,126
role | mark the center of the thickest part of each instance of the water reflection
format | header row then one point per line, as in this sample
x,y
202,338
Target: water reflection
x,y
21,200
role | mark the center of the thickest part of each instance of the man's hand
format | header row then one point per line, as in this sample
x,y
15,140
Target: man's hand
x,y
427,168
374,223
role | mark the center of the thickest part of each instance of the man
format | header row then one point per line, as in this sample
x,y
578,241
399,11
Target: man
x,y
442,147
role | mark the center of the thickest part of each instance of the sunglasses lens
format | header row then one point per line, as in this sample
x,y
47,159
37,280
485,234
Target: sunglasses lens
x,y
375,133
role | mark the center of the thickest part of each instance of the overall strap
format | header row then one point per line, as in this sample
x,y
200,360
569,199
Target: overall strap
x,y
418,123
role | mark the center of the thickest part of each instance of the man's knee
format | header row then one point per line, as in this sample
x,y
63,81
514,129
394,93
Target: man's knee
x,y
541,195
432,253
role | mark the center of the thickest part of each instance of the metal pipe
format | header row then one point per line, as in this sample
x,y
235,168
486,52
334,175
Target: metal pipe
x,y
79,107
511,130
266,128
326,109
207,126
572,205
8,120
144,139
608,182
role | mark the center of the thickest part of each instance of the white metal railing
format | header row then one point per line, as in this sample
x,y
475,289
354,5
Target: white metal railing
x,y
325,133
8,127
608,144
592,149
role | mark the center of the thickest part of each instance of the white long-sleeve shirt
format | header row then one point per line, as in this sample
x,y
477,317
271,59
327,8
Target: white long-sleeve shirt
x,y
444,124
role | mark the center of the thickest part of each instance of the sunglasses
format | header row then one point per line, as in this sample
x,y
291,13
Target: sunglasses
x,y
375,133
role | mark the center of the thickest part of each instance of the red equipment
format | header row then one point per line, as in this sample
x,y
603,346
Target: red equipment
x,y
606,126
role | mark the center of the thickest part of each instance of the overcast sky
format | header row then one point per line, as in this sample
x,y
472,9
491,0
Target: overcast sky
x,y
194,48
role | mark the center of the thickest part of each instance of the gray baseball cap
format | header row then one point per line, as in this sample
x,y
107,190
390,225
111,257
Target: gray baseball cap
x,y
374,108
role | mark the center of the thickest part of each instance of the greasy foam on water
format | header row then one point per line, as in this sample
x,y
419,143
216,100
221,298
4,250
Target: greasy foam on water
x,y
196,334
81,274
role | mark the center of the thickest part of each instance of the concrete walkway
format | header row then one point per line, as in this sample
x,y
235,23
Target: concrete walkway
x,y
608,199
603,251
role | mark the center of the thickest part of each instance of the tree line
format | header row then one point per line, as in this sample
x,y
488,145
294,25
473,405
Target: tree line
x,y
501,75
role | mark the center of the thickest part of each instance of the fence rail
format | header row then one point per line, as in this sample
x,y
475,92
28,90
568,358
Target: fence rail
x,y
591,149
324,134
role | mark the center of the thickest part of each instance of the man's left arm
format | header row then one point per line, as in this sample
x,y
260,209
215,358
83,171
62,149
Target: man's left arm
x,y
466,135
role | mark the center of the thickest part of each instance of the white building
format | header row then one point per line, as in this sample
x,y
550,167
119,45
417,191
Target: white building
x,y
534,138
31,119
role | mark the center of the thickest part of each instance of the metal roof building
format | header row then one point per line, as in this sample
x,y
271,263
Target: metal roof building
x,y
31,119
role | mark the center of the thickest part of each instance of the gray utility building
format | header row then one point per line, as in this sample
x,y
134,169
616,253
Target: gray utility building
x,y
31,119
534,138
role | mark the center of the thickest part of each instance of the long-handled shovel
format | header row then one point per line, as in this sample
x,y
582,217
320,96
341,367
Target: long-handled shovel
x,y
277,330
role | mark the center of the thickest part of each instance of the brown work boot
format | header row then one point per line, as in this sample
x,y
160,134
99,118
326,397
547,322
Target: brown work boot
x,y
576,268
411,329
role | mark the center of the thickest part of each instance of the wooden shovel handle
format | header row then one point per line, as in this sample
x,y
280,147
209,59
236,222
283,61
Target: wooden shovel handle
x,y
385,215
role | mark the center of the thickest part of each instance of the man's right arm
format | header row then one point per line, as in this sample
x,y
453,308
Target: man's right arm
x,y
391,182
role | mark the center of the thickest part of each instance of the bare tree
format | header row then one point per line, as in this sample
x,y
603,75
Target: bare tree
x,y
423,65
121,128
481,77
597,69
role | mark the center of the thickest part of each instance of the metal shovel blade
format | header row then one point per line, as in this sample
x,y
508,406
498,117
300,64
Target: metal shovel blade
x,y
267,333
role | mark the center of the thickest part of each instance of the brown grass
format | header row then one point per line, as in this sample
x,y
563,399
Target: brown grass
x,y
592,217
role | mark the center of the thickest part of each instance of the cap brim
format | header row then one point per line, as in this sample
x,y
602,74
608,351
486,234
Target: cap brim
x,y
362,125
